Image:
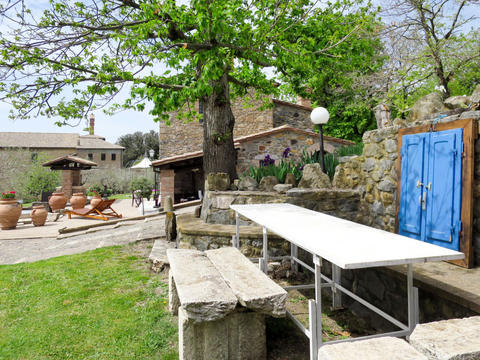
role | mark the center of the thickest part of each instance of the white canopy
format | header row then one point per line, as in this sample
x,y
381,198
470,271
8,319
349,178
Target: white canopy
x,y
144,164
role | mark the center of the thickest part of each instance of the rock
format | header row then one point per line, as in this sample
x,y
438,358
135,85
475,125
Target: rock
x,y
247,184
218,181
475,97
52,217
427,105
381,348
267,183
391,146
202,292
252,287
369,164
454,339
171,226
457,102
382,115
314,178
387,185
282,188
290,179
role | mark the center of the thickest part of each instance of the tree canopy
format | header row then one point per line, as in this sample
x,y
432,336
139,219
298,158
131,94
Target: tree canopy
x,y
80,55
137,145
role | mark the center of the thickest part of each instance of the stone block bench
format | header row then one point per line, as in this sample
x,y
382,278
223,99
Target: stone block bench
x,y
381,348
455,339
221,299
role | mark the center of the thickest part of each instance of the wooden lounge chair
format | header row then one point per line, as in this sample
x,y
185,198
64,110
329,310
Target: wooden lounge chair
x,y
102,211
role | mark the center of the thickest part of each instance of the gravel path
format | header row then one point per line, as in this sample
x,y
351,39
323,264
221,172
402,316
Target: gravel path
x,y
29,250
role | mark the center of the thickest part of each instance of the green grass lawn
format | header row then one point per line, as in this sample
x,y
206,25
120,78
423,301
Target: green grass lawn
x,y
103,304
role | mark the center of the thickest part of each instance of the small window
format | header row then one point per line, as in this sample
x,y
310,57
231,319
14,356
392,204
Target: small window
x,y
103,157
90,156
114,157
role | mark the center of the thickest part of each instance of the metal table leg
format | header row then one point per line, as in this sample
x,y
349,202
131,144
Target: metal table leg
x,y
336,294
293,254
316,315
412,294
264,262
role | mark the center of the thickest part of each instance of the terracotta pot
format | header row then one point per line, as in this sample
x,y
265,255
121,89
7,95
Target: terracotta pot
x,y
39,215
95,201
10,211
57,201
78,201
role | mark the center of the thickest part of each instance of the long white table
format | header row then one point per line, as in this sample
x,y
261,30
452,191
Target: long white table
x,y
346,245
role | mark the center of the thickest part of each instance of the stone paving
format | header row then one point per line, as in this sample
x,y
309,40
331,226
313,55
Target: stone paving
x,y
29,250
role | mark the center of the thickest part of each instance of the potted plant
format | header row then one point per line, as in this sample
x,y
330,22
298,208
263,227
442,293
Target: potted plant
x,y
10,210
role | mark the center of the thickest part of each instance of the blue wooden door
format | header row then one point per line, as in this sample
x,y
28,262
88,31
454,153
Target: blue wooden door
x,y
413,171
431,187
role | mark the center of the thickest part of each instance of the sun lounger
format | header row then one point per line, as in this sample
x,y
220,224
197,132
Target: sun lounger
x,y
102,211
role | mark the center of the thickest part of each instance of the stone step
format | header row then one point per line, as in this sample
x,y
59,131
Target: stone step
x,y
253,289
200,288
457,339
382,348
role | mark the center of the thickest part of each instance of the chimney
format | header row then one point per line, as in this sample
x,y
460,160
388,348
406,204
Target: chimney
x,y
92,124
304,102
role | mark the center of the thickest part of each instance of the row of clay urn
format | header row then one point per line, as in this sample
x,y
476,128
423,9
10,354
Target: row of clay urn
x,y
58,200
10,209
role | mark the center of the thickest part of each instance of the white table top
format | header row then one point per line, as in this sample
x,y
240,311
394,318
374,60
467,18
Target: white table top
x,y
342,242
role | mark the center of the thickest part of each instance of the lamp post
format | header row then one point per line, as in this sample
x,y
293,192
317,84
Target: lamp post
x,y
320,116
152,153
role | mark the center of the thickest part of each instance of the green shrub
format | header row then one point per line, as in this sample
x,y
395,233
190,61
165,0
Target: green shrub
x,y
144,185
38,179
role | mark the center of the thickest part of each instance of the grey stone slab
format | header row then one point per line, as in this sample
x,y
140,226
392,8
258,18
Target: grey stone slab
x,y
253,288
202,292
455,339
238,336
382,348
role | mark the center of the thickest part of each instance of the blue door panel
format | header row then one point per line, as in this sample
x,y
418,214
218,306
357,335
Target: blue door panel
x,y
431,187
444,197
413,149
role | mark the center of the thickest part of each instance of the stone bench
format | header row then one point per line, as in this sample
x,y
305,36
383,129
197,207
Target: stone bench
x,y
455,339
221,299
381,348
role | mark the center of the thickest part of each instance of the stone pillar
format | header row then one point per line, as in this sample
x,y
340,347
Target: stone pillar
x,y
67,182
240,335
167,185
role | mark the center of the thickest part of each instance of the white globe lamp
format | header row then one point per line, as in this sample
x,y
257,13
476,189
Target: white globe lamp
x,y
320,116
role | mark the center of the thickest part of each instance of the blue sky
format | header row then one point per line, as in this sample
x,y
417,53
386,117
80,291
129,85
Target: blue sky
x,y
111,127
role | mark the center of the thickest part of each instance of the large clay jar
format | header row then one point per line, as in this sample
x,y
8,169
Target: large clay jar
x,y
10,211
78,201
39,215
57,201
95,201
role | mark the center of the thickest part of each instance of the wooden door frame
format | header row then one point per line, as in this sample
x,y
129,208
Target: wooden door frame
x,y
470,134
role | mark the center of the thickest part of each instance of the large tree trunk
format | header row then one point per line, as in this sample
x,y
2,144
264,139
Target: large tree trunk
x,y
218,121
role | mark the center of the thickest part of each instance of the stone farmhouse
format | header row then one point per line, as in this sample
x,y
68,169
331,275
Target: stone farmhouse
x,y
257,133
90,147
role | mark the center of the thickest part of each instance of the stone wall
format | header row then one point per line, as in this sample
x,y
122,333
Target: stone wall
x,y
374,175
386,288
180,137
295,115
274,145
340,203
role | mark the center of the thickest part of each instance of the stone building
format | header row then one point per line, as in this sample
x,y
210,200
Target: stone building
x,y
256,134
54,145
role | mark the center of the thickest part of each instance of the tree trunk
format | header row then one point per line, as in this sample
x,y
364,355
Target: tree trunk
x,y
218,150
